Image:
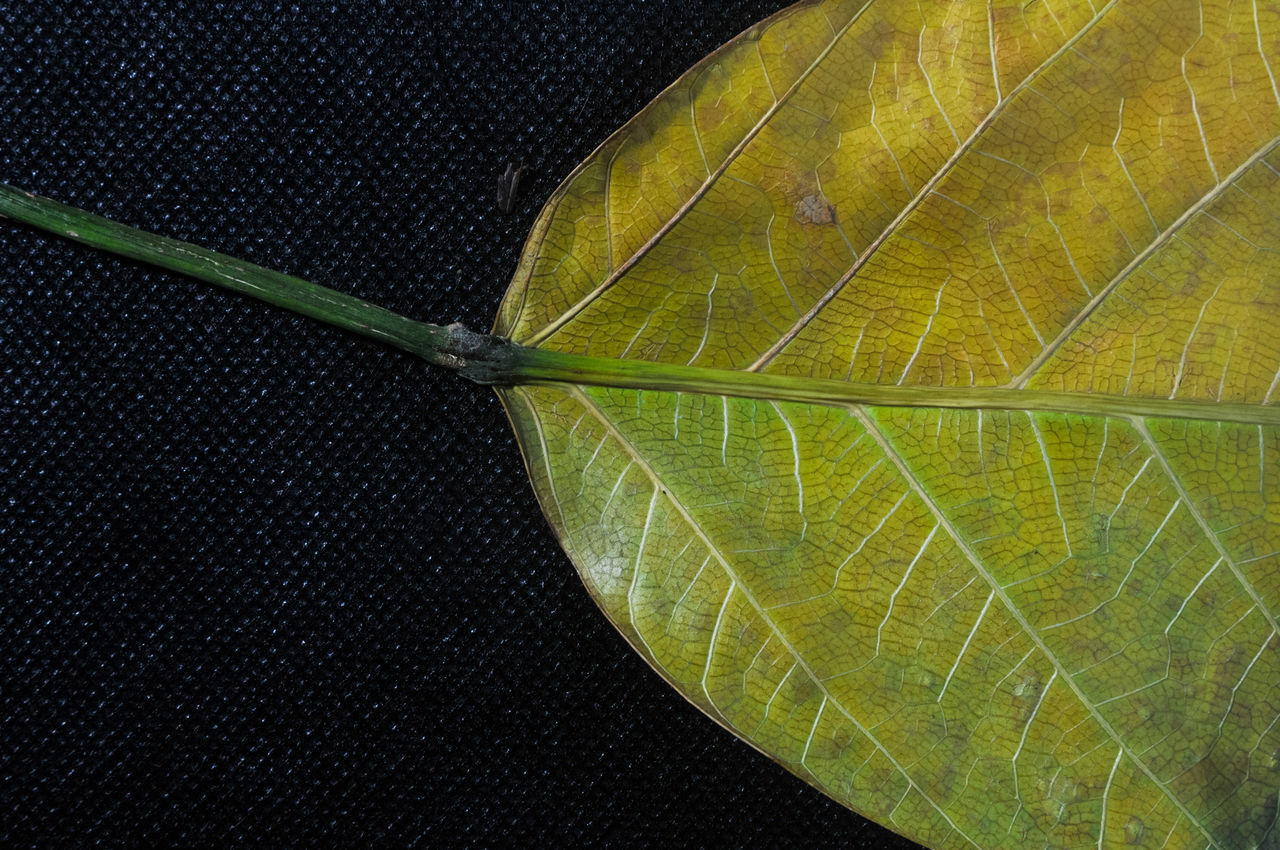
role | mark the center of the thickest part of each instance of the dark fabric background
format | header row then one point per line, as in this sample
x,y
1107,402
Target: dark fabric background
x,y
267,583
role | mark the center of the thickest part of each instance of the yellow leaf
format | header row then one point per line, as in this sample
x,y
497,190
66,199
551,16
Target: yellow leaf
x,y
1047,618
904,384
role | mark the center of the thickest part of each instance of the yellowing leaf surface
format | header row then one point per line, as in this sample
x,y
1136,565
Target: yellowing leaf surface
x,y
1048,619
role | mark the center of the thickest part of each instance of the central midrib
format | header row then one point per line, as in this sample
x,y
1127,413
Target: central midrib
x,y
537,366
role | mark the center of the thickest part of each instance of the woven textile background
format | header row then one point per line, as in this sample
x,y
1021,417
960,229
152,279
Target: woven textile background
x,y
262,582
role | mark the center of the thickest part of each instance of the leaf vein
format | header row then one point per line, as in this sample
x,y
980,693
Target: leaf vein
x,y
619,271
1013,610
978,132
736,584
1145,254
1141,427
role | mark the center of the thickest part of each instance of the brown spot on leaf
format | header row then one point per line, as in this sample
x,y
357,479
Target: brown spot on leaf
x,y
814,209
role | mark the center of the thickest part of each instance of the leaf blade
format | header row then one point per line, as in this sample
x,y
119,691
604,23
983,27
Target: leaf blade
x,y
997,255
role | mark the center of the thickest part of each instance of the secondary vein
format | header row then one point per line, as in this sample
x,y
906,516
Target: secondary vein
x,y
622,268
1156,244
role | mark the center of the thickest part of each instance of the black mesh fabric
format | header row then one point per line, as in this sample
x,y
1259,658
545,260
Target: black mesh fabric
x,y
267,583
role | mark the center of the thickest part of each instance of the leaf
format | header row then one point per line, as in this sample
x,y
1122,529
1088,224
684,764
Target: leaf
x,y
1020,474
967,511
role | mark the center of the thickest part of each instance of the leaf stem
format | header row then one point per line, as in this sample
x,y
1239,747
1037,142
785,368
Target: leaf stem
x,y
453,347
